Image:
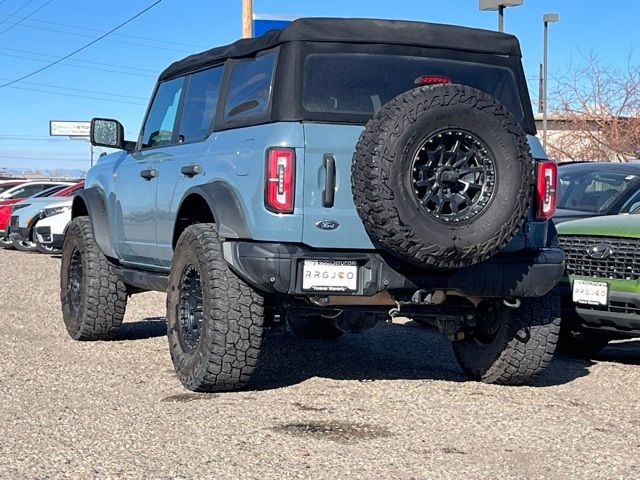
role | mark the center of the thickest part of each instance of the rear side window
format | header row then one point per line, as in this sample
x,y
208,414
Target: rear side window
x,y
159,126
200,103
29,190
5,187
249,88
360,83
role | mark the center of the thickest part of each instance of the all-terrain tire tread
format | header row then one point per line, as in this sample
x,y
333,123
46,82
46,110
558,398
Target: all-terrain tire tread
x,y
375,200
105,295
533,330
230,352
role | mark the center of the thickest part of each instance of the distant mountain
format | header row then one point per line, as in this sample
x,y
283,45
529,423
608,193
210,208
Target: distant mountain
x,y
43,173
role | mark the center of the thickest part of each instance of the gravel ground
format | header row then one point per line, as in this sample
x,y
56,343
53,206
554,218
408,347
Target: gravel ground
x,y
390,403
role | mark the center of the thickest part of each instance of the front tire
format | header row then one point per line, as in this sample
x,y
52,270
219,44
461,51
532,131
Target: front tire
x,y
93,298
46,249
24,246
5,242
511,346
214,319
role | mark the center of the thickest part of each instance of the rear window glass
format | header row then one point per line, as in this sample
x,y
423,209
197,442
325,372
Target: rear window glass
x,y
360,83
249,88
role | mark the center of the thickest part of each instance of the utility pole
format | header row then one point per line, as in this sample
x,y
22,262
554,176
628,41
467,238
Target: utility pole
x,y
247,18
541,90
546,19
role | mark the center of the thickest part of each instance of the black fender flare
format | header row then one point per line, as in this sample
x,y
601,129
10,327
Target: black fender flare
x,y
96,208
227,210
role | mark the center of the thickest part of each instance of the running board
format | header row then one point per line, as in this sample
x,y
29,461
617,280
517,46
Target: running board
x,y
141,279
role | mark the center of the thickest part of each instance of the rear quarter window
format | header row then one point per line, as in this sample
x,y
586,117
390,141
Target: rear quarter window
x,y
249,90
360,83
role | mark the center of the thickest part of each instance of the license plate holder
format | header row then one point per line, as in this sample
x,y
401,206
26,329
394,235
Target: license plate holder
x,y
590,293
330,275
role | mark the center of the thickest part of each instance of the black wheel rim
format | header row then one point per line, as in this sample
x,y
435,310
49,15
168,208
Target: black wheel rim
x,y
489,321
453,176
75,280
190,310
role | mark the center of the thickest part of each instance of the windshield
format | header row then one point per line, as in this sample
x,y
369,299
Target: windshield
x,y
593,191
360,83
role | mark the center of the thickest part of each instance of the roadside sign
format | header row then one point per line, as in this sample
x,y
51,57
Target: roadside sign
x,y
263,23
66,128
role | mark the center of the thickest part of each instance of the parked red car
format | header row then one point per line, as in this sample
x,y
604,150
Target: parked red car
x,y
24,190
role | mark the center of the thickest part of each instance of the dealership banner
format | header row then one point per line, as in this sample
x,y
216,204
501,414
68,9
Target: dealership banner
x,y
263,23
67,128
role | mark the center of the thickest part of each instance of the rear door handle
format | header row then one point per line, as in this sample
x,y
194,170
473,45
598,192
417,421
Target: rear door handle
x,y
191,170
328,196
149,173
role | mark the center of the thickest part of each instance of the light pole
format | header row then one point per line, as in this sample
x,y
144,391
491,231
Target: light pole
x,y
247,18
499,5
547,18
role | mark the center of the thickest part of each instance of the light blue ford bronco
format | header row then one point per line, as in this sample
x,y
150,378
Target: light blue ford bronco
x,y
330,175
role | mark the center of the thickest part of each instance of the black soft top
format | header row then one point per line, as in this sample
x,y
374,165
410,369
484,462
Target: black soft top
x,y
357,30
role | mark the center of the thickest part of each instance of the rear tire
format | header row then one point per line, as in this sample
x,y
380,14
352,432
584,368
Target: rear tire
x,y
515,345
93,298
214,319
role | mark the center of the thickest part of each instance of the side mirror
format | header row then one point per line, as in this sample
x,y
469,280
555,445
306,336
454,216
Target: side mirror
x,y
106,132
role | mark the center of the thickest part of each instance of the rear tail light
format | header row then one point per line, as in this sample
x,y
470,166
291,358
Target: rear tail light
x,y
546,185
280,175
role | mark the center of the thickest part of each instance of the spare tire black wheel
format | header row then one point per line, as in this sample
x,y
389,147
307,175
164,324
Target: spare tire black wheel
x,y
442,176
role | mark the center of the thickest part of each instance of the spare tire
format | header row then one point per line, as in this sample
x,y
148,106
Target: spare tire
x,y
442,176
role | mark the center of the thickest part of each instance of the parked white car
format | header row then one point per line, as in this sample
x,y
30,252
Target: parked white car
x,y
49,231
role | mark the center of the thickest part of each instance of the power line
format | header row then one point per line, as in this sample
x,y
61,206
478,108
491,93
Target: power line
x,y
97,92
74,89
90,62
13,25
93,30
65,64
17,11
77,96
83,47
123,42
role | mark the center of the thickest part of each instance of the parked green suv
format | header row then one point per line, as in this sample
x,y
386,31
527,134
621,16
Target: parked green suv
x,y
601,288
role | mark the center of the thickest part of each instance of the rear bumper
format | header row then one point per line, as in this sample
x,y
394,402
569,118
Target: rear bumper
x,y
277,268
621,314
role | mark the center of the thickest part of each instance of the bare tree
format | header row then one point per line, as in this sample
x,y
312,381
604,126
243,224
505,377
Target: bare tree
x,y
596,112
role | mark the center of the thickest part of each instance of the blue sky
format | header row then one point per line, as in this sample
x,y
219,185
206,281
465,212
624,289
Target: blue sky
x,y
114,77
